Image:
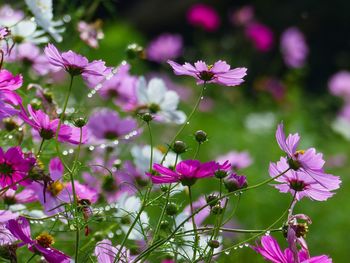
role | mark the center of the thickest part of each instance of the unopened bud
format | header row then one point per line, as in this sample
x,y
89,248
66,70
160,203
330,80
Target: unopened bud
x,y
214,243
171,209
179,147
200,136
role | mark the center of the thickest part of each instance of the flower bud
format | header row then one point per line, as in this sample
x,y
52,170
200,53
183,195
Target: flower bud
x,y
212,200
164,225
235,182
179,147
171,209
117,163
147,117
135,51
35,103
10,124
217,209
214,243
80,122
200,136
98,236
48,95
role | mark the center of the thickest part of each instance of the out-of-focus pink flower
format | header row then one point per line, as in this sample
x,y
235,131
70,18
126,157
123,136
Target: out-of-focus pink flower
x,y
305,161
47,128
243,15
219,73
238,160
294,48
82,191
339,84
164,47
106,124
73,63
106,252
272,252
91,33
203,16
186,172
119,86
41,244
6,215
4,32
300,184
25,196
30,55
260,35
9,16
14,167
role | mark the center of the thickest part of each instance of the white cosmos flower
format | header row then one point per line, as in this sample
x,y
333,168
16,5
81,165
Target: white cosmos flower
x,y
26,31
42,11
127,209
160,100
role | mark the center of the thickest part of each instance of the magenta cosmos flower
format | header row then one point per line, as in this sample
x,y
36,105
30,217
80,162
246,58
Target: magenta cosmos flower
x,y
47,128
301,184
294,48
73,63
260,35
41,244
306,161
14,167
271,251
219,73
203,16
164,47
186,172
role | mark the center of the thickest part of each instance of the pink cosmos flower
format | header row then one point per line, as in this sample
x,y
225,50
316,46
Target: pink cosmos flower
x,y
25,196
9,81
74,63
164,47
339,84
203,16
301,184
82,191
106,253
238,160
50,196
120,87
30,55
14,166
41,244
271,251
260,35
186,172
235,182
219,73
294,48
309,162
243,16
106,124
47,128
6,215
90,33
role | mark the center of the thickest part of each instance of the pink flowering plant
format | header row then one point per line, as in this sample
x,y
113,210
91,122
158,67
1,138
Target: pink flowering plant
x,y
133,155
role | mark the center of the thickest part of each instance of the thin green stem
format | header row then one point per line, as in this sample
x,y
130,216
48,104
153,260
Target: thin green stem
x,y
186,122
77,234
162,241
151,143
197,151
40,148
196,238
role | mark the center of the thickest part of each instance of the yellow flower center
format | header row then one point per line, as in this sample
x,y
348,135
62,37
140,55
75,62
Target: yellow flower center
x,y
55,188
45,240
161,148
299,152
